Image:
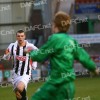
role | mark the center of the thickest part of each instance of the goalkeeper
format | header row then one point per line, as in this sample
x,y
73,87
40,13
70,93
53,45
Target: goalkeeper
x,y
62,50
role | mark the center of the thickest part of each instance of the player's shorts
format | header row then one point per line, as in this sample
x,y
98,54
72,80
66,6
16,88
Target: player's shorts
x,y
24,78
64,91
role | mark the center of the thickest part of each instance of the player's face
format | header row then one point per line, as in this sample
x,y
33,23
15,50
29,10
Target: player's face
x,y
20,37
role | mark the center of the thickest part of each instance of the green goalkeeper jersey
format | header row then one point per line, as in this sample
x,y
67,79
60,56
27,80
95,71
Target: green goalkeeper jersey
x,y
62,50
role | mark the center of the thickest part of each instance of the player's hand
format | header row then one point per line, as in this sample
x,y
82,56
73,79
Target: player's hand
x,y
28,49
7,52
6,55
96,72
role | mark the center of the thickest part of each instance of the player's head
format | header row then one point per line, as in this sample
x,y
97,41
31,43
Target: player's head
x,y
61,22
20,36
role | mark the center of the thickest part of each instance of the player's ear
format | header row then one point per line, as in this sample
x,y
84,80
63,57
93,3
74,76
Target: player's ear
x,y
53,27
25,36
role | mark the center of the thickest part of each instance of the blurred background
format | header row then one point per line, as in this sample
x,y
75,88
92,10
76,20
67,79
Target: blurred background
x,y
35,18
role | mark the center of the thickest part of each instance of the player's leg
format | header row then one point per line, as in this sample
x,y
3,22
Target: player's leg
x,y
46,92
70,90
65,91
15,82
20,91
21,87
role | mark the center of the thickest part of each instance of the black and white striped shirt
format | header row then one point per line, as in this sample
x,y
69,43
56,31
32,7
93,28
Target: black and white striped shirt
x,y
21,64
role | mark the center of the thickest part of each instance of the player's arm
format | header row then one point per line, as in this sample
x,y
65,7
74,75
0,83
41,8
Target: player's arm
x,y
45,51
7,54
34,63
83,57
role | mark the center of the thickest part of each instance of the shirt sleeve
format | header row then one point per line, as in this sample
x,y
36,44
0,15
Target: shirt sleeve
x,y
34,63
10,47
83,57
8,52
45,51
34,47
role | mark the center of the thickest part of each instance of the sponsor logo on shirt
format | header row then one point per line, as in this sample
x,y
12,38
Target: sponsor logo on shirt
x,y
21,58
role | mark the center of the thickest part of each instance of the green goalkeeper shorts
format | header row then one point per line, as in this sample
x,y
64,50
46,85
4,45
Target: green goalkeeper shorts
x,y
63,91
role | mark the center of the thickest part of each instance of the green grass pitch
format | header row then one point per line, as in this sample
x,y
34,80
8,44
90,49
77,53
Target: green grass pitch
x,y
86,89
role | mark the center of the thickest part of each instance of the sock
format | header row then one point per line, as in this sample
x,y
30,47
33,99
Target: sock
x,y
23,94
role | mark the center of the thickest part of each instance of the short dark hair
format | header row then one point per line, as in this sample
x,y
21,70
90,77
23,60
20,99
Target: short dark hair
x,y
20,31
